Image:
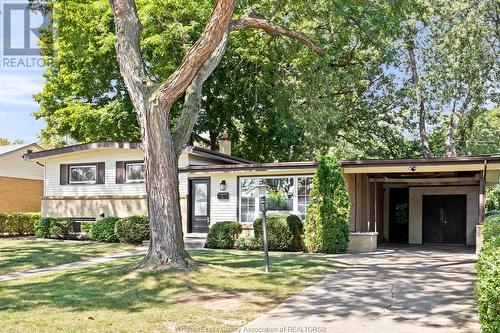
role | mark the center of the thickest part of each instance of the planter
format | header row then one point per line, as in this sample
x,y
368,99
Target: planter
x,y
362,242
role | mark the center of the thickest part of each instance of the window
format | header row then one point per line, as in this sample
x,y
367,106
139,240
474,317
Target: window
x,y
83,174
134,172
248,188
76,225
303,191
285,195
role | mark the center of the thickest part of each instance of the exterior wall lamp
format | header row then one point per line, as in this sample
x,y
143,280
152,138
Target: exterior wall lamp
x,y
222,185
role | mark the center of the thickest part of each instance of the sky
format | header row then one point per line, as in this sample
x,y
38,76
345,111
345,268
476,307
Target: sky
x,y
18,83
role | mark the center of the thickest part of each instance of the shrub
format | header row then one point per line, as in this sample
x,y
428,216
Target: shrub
x,y
488,277
103,230
86,226
326,228
222,235
42,227
132,229
247,243
284,233
491,213
52,227
59,228
493,198
19,224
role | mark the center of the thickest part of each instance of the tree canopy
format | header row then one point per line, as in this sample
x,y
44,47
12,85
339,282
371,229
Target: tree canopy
x,y
277,99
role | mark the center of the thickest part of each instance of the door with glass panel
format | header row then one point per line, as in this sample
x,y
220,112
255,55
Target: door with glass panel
x,y
200,205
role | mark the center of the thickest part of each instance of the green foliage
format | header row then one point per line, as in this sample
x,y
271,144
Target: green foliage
x,y
222,235
488,277
284,233
86,226
42,227
59,228
485,132
276,200
326,228
18,224
132,229
493,198
103,230
248,243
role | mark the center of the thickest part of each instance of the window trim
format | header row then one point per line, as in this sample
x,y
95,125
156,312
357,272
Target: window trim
x,y
88,165
132,181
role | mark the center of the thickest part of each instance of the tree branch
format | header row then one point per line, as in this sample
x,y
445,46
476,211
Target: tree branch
x,y
210,39
192,99
247,22
128,34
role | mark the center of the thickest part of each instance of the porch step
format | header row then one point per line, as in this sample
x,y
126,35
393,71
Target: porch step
x,y
195,241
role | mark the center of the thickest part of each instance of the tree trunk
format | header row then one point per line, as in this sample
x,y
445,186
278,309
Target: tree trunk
x,y
424,141
162,188
449,141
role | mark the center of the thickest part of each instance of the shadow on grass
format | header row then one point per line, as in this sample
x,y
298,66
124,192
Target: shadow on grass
x,y
111,286
24,254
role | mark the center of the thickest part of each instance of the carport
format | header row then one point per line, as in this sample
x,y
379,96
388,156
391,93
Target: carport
x,y
419,201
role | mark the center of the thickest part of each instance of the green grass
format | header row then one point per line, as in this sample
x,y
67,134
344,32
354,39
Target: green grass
x,y
227,290
22,254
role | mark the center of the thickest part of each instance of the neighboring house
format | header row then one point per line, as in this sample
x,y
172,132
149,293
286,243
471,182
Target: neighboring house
x,y
21,182
409,200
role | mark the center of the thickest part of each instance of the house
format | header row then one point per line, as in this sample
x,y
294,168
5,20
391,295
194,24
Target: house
x,y
87,181
409,200
21,182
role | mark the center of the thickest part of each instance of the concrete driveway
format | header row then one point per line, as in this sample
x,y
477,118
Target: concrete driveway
x,y
399,289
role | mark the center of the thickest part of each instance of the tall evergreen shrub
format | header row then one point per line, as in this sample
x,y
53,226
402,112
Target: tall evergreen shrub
x,y
327,221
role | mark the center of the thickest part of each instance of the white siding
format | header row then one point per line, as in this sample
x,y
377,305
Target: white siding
x,y
13,165
223,210
107,155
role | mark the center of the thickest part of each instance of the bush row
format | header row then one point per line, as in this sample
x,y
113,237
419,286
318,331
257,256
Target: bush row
x,y
18,224
132,229
284,233
488,276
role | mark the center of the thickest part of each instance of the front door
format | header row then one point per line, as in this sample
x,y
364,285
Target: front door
x,y
444,219
398,215
200,205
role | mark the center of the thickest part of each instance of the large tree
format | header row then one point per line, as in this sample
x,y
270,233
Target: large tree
x,y
153,102
449,51
266,93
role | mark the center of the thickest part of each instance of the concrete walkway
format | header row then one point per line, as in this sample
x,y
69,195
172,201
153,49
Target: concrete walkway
x,y
399,289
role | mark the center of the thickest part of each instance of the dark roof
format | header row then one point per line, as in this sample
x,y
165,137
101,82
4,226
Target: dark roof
x,y
130,145
254,166
419,161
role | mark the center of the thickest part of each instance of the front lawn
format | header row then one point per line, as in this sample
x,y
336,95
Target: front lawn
x,y
227,291
22,254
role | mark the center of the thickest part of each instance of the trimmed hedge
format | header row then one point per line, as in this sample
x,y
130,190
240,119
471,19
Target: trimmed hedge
x,y
284,233
488,277
18,224
222,235
52,227
132,229
327,220
247,243
103,230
